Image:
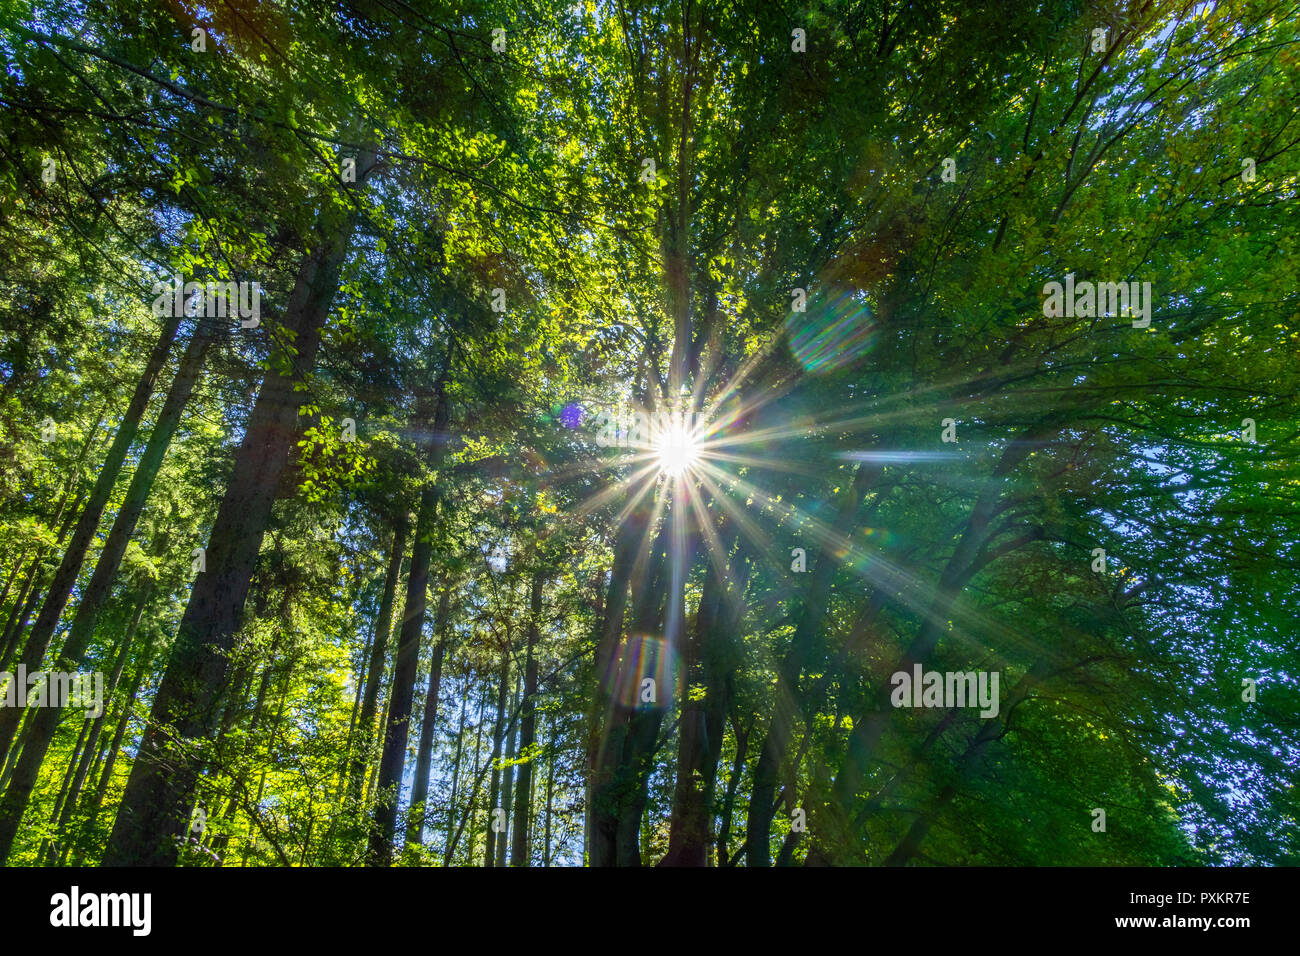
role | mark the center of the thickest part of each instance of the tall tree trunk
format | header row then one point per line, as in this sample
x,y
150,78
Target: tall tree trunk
x,y
65,577
152,816
631,536
46,720
660,610
31,591
235,710
406,660
605,721
377,745
22,607
550,791
49,849
455,773
519,855
627,751
231,810
49,846
709,660
10,579
92,745
733,786
507,790
115,745
345,770
688,834
276,723
498,739
428,725
27,600
454,838
378,657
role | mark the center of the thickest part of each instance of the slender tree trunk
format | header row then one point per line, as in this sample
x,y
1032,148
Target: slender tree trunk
x,y
406,660
105,775
152,814
376,745
10,579
733,786
498,739
49,848
31,591
46,720
65,577
92,745
633,733
7,765
378,657
428,725
519,855
688,834
550,791
533,815
115,745
473,794
345,771
275,730
507,790
598,829
479,740
455,773
711,660
22,607
609,717
231,809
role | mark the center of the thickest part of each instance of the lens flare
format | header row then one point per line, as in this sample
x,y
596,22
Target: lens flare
x,y
676,449
643,674
836,332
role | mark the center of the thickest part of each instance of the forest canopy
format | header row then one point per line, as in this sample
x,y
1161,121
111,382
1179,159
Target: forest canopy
x,y
617,433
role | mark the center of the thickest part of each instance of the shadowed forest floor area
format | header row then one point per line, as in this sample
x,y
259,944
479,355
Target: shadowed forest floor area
x,y
617,433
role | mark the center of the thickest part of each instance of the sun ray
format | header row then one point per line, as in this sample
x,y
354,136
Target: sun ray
x,y
735,511
620,487
712,542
